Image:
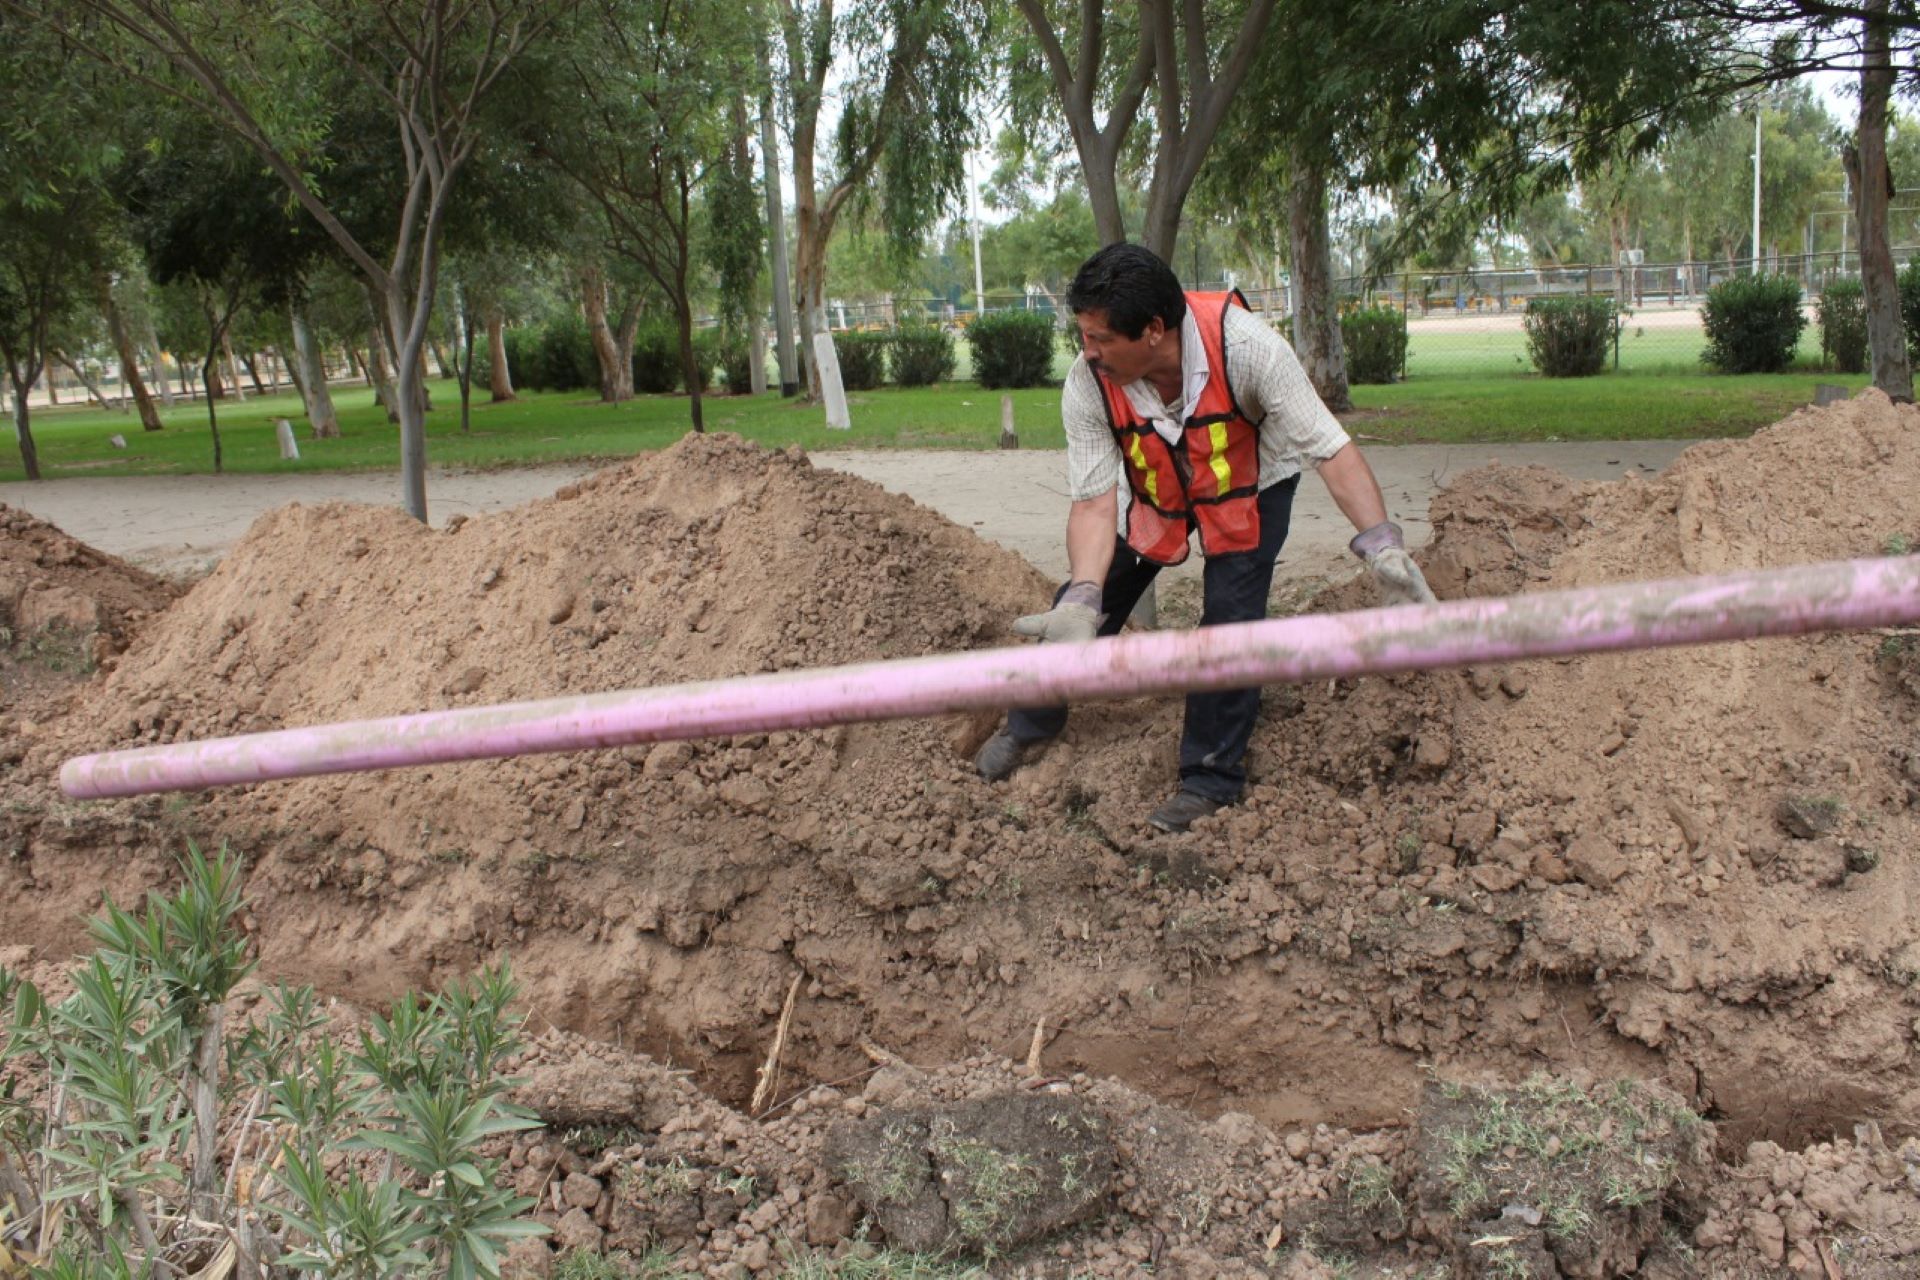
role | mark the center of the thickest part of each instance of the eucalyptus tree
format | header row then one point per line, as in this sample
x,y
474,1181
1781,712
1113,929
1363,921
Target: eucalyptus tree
x,y
907,76
1192,57
207,217
652,79
56,221
429,65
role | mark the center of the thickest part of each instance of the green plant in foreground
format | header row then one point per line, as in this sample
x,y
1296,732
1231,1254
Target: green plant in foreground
x,y
145,1137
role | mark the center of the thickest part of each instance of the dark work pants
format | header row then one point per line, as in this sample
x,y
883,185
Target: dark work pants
x,y
1218,724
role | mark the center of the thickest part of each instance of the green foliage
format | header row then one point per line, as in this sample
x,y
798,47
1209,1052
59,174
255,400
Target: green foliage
x,y
1375,339
706,355
1909,283
923,354
863,358
1570,337
127,1130
1753,324
656,357
1011,348
1843,326
736,365
556,355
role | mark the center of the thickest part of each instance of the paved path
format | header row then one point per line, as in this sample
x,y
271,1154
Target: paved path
x,y
182,524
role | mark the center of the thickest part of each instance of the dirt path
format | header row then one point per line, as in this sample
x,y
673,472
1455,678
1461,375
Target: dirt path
x,y
182,525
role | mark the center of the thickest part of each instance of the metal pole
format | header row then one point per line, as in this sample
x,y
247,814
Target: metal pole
x,y
777,236
1759,114
1846,595
973,203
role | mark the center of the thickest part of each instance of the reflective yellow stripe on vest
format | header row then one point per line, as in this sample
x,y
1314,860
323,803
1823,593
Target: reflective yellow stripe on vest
x,y
1139,456
1222,469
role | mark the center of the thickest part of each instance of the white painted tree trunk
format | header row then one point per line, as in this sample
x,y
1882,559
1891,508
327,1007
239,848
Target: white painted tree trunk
x,y
827,362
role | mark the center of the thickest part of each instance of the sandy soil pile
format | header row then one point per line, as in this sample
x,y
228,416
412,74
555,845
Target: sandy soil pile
x,y
1691,867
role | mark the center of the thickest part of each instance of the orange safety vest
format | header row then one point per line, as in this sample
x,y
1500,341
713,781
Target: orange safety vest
x,y
1211,480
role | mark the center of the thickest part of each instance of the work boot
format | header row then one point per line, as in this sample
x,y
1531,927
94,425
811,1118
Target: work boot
x,y
1181,812
999,757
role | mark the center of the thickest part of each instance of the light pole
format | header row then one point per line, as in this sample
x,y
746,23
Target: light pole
x,y
1759,113
973,202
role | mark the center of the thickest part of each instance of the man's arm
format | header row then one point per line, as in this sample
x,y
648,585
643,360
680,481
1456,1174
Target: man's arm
x,y
1351,484
1090,537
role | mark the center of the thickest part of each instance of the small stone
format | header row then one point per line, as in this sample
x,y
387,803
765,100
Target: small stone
x,y
578,1231
1495,877
581,1191
1434,752
1474,831
561,609
1859,860
1595,860
1805,817
830,1219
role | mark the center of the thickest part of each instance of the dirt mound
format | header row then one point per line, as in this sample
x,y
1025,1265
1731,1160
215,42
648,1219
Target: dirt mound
x,y
1585,864
51,582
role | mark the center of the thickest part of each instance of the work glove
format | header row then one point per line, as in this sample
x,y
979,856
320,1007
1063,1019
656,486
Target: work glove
x,y
1398,577
1074,618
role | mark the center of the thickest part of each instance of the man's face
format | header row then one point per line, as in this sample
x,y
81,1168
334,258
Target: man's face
x,y
1121,358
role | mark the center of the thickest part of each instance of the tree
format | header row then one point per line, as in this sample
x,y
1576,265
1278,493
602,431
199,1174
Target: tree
x,y
1872,182
651,131
1196,61
430,64
55,219
906,123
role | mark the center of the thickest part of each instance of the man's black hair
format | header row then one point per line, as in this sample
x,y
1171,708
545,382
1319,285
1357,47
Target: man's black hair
x,y
1132,285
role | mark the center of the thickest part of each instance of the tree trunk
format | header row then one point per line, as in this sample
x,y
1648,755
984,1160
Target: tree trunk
x,y
426,388
593,300
86,380
624,335
313,376
463,367
251,362
500,380
233,369
1872,183
129,358
689,367
210,374
210,378
159,366
381,375
1316,323
413,415
22,426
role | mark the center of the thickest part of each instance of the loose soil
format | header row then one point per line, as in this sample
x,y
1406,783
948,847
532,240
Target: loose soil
x,y
1693,869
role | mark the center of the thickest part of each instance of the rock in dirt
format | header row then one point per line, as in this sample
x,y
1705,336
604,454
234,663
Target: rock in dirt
x,y
982,1176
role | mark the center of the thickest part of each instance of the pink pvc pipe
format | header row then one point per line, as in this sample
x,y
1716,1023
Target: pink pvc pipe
x,y
1821,597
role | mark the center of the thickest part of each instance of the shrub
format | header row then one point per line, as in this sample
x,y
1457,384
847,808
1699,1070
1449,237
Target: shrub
x,y
1376,343
1843,325
1753,324
706,355
1909,282
1570,337
1012,348
656,357
863,358
143,1051
922,354
736,357
558,356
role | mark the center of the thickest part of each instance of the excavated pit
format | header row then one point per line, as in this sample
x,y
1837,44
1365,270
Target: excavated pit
x,y
1695,867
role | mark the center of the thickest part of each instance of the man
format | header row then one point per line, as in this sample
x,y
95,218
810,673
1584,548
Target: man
x,y
1206,416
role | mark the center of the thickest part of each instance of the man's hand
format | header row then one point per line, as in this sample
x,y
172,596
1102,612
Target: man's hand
x,y
1398,577
1074,618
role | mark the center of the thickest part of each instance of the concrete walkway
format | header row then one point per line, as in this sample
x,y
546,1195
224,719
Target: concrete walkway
x,y
181,525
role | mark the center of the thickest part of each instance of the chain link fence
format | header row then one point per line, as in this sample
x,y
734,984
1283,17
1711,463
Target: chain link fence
x,y
1470,323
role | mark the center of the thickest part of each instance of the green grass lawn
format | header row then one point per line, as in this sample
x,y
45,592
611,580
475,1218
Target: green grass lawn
x,y
1463,387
